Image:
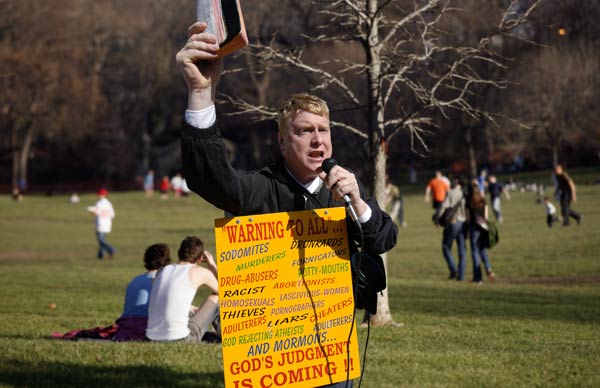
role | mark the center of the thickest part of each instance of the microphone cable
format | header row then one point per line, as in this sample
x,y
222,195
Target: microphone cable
x,y
328,164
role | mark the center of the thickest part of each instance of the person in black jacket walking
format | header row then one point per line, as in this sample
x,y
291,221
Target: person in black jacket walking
x,y
566,193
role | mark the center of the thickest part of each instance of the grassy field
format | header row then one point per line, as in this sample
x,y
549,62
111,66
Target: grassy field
x,y
538,325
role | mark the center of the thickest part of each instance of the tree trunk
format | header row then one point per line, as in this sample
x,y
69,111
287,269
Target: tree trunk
x,y
471,152
491,149
257,139
384,315
377,145
20,149
24,154
15,157
555,154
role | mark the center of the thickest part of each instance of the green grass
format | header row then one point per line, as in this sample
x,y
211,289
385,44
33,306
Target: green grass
x,y
538,325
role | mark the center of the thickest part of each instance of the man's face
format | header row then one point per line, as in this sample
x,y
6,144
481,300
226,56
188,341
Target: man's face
x,y
305,144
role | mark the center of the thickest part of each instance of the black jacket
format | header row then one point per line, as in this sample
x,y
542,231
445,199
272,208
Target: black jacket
x,y
270,190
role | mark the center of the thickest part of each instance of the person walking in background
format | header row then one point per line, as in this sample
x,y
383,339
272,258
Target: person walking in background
x,y
477,213
454,207
551,216
133,321
482,180
172,317
412,173
436,190
16,194
394,205
104,212
164,187
566,193
149,184
496,189
177,185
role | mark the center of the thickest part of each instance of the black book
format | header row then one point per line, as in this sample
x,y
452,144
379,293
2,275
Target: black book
x,y
225,21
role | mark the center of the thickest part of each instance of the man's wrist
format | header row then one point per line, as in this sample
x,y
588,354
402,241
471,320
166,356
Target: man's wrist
x,y
366,215
199,99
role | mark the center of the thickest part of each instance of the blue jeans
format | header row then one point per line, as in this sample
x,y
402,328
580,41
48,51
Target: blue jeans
x,y
103,245
566,211
478,253
496,209
454,232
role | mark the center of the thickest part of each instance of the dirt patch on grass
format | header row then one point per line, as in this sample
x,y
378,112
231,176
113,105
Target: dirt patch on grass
x,y
19,255
555,280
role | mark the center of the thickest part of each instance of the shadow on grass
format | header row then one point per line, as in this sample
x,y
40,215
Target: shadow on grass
x,y
18,373
488,301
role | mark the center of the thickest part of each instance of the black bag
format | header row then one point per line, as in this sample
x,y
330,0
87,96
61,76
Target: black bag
x,y
370,280
446,217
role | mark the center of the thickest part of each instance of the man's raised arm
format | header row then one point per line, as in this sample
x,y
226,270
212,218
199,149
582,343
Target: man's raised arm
x,y
200,67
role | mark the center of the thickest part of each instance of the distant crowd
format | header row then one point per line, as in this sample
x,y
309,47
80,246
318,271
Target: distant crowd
x,y
462,212
175,185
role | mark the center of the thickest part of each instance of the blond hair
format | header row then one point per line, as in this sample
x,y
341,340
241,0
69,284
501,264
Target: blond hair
x,y
302,102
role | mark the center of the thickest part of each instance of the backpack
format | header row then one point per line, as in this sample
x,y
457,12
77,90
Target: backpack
x,y
490,236
369,272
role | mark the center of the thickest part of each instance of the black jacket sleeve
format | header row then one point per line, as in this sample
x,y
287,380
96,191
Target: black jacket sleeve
x,y
209,174
380,232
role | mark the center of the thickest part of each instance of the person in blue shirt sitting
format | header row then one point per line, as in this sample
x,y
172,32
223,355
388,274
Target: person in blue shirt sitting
x,y
134,319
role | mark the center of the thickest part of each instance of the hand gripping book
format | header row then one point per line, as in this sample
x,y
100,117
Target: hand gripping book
x,y
224,19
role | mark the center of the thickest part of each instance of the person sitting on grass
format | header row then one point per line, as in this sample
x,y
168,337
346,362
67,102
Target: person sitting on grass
x,y
131,325
171,315
133,321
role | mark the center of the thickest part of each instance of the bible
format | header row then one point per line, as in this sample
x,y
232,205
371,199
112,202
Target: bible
x,y
225,21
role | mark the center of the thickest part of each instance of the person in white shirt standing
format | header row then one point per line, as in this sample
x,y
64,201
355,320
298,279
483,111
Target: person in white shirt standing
x,y
171,315
177,185
104,212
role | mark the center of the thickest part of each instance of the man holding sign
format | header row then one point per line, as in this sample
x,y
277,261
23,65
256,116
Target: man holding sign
x,y
296,182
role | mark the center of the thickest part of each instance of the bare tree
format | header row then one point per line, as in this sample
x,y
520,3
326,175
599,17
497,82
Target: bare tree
x,y
37,71
556,94
87,79
400,71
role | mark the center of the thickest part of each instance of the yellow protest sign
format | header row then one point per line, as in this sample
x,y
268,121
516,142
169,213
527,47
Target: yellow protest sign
x,y
286,302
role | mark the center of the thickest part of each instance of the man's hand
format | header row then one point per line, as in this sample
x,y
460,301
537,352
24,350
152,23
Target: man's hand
x,y
207,258
342,182
210,262
200,67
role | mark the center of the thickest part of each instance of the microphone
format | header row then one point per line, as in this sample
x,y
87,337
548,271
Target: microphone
x,y
327,165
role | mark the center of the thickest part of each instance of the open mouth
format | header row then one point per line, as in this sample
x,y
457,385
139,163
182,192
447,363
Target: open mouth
x,y
318,155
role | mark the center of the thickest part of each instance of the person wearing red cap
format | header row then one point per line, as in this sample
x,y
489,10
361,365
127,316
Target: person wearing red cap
x,y
104,212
